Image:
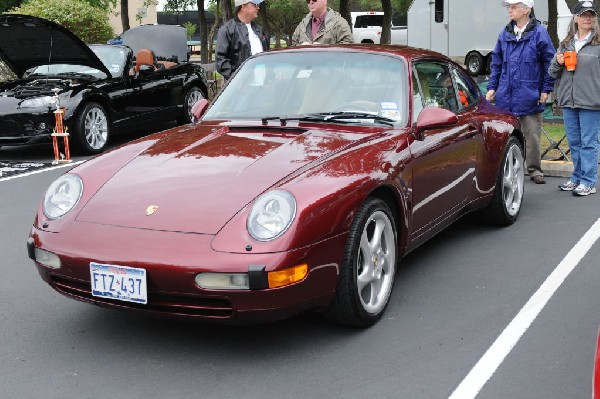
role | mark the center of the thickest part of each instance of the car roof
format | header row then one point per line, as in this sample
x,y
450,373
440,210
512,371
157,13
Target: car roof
x,y
27,42
406,52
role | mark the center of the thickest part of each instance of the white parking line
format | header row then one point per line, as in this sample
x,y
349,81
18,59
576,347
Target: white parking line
x,y
472,384
39,171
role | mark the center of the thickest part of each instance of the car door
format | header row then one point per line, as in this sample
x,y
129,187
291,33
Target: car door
x,y
443,159
153,95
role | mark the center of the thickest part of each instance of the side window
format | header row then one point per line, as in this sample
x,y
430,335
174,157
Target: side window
x,y
439,11
364,21
467,93
437,88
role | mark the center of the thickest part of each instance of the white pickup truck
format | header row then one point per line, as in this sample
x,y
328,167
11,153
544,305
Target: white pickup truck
x,y
366,28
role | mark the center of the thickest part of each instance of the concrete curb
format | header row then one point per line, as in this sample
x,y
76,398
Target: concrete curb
x,y
557,168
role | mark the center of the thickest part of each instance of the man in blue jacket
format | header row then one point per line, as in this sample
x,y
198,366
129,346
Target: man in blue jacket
x,y
519,80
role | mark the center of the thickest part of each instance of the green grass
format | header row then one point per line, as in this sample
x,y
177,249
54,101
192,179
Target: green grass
x,y
555,132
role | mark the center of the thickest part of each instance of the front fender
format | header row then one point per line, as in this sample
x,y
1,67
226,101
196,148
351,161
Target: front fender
x,y
328,196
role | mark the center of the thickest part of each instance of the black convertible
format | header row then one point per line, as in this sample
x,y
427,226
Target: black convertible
x,y
103,88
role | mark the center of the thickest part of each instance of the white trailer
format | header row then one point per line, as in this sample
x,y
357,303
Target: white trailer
x,y
467,30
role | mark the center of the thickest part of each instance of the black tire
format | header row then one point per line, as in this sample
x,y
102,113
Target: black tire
x,y
367,272
508,194
193,95
91,129
488,63
475,64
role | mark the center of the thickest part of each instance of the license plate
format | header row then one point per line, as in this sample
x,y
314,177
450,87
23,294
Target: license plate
x,y
119,282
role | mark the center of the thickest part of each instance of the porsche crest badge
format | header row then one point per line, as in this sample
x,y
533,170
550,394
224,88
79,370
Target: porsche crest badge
x,y
151,209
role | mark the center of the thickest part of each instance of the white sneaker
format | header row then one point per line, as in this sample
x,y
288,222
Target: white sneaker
x,y
583,190
568,186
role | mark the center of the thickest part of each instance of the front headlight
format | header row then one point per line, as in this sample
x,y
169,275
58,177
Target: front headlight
x,y
62,195
39,102
271,215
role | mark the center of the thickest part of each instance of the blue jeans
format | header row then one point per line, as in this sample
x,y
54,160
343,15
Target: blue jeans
x,y
582,127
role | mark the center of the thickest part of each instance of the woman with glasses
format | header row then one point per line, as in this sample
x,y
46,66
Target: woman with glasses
x,y
578,97
322,25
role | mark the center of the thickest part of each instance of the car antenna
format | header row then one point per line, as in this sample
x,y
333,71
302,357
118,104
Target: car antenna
x,y
50,54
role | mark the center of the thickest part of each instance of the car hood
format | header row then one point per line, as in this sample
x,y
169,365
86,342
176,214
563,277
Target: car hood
x,y
27,42
196,180
167,41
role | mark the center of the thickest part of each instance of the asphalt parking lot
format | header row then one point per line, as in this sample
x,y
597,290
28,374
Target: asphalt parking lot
x,y
455,297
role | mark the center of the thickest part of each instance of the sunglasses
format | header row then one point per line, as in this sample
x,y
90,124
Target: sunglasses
x,y
310,1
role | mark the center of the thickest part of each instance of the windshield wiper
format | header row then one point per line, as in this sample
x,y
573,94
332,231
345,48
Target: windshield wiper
x,y
346,115
76,74
349,116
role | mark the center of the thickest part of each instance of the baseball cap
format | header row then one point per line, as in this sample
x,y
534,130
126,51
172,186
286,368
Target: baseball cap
x,y
239,3
528,3
584,6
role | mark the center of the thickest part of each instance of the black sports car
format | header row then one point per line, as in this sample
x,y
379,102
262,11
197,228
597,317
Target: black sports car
x,y
102,88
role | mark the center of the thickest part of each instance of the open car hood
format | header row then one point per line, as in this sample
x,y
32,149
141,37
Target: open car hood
x,y
27,42
167,41
198,180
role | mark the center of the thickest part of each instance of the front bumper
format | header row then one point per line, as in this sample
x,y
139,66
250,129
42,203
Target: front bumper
x,y
26,128
172,260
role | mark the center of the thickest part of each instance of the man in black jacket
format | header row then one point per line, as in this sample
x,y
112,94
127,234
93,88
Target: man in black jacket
x,y
239,38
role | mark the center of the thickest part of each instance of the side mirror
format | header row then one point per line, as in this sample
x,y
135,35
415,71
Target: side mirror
x,y
198,109
433,118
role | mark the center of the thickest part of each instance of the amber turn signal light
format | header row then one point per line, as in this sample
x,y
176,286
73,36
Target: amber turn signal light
x,y
288,276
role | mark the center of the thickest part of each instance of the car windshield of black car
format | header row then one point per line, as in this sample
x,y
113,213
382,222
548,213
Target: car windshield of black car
x,y
113,57
66,70
291,85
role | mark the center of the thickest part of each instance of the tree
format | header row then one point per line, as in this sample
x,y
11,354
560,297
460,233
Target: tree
x,y
205,43
89,23
345,10
227,9
8,5
102,4
204,53
125,15
283,16
386,33
552,22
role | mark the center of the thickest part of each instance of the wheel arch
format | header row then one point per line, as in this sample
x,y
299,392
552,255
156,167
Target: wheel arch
x,y
195,80
200,85
393,200
98,98
520,136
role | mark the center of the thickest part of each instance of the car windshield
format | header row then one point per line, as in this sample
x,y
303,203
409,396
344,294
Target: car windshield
x,y
308,84
66,70
112,57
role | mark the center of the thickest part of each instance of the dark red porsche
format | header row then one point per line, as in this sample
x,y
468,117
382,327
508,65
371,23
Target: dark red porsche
x,y
299,189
